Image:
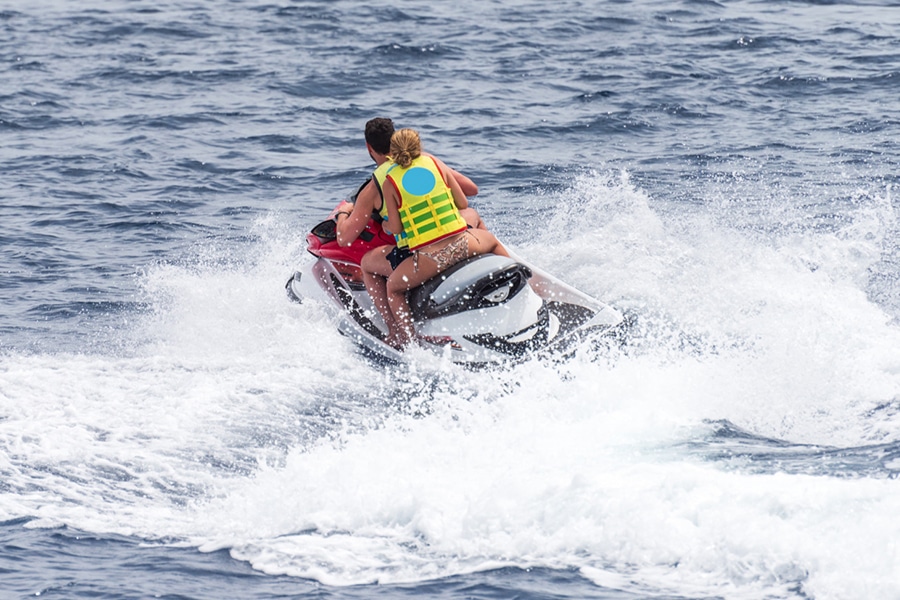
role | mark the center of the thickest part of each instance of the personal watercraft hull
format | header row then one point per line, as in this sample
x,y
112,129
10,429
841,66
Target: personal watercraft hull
x,y
486,310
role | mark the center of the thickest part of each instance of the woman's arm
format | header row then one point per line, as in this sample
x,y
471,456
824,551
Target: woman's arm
x,y
392,202
459,198
465,184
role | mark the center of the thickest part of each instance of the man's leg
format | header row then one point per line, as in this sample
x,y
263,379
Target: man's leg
x,y
376,269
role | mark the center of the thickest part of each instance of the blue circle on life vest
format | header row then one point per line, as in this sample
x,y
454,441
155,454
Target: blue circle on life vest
x,y
418,181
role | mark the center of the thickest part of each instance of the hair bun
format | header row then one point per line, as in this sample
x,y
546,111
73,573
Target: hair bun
x,y
405,147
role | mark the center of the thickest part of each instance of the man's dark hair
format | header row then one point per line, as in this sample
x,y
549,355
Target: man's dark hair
x,y
378,134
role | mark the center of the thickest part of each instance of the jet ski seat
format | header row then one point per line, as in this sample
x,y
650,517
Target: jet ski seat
x,y
482,280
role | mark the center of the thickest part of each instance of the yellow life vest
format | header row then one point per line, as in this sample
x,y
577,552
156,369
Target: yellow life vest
x,y
380,176
426,206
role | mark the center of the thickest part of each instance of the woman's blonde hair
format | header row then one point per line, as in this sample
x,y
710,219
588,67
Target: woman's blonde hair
x,y
405,147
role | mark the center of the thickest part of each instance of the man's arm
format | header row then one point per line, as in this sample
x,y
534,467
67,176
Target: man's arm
x,y
352,218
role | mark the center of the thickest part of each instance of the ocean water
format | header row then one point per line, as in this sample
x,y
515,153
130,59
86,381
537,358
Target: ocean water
x,y
724,172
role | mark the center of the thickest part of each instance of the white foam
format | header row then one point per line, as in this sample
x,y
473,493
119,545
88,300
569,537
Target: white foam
x,y
241,421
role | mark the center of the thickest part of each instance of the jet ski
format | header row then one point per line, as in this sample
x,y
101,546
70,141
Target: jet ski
x,y
485,310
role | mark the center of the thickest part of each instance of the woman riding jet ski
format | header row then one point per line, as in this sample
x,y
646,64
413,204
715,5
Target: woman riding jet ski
x,y
423,199
476,300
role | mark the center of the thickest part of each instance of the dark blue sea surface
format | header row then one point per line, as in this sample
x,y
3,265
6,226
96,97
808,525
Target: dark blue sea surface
x,y
724,172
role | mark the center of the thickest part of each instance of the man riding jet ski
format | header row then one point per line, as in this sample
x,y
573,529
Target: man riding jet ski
x,y
480,305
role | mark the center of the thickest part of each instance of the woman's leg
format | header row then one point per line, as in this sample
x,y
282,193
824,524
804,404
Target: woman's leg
x,y
472,218
416,270
407,276
484,242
